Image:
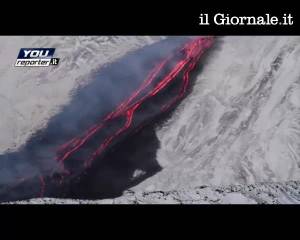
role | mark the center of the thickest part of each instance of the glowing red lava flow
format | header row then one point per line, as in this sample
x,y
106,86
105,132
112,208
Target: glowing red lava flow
x,y
190,55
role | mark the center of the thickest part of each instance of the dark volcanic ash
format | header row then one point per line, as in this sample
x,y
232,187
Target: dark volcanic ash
x,y
121,99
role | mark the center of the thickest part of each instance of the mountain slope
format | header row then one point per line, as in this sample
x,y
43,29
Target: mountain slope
x,y
239,125
261,193
241,122
29,97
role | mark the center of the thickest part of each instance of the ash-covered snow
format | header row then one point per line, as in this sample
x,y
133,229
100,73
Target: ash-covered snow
x,y
241,122
261,193
239,127
29,97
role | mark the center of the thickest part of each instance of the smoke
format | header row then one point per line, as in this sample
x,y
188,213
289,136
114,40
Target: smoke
x,y
106,88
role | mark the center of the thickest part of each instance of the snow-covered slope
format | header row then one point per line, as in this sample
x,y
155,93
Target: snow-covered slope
x,y
241,123
262,193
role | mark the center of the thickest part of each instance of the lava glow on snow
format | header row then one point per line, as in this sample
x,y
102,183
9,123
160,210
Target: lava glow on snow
x,y
165,85
189,56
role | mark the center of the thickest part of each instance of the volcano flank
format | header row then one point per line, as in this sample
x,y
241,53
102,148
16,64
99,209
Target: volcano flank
x,y
103,141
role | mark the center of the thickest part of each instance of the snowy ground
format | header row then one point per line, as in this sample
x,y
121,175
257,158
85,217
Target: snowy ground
x,y
239,125
262,193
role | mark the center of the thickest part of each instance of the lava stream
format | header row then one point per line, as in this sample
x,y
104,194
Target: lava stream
x,y
156,82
